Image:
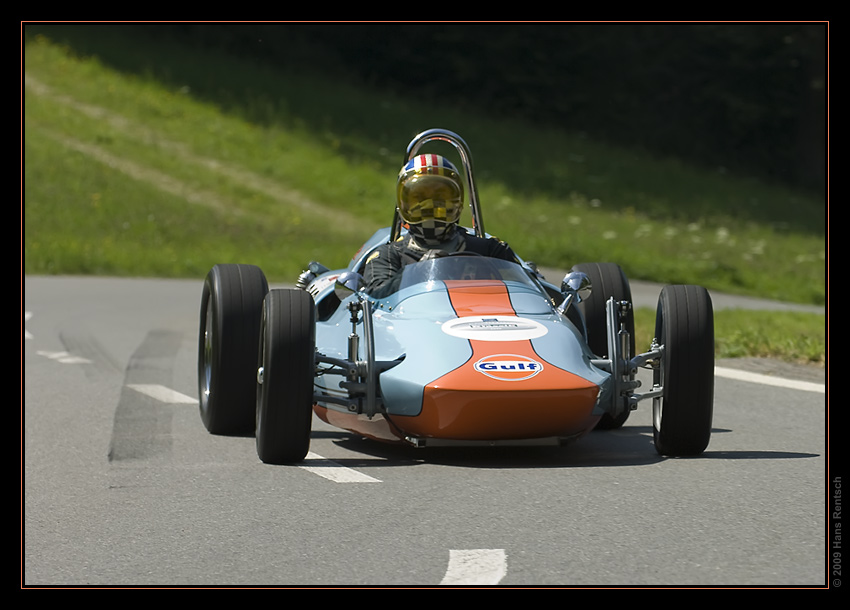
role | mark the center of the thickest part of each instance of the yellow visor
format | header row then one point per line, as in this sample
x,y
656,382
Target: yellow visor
x,y
430,197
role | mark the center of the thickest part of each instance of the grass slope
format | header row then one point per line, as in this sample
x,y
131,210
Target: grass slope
x,y
145,159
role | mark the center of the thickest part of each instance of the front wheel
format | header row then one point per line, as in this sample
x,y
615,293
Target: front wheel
x,y
231,306
684,326
285,373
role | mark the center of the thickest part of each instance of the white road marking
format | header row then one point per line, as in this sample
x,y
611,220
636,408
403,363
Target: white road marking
x,y
64,357
806,386
476,567
27,316
163,394
313,462
332,471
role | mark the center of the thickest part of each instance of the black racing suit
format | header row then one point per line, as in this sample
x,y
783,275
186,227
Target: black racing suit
x,y
382,272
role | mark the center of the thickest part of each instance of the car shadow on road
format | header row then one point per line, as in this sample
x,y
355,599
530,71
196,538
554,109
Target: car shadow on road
x,y
627,446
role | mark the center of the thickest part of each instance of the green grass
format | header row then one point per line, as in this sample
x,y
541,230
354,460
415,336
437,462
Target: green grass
x,y
146,160
784,335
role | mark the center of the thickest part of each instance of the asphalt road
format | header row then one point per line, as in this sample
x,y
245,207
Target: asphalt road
x,y
123,486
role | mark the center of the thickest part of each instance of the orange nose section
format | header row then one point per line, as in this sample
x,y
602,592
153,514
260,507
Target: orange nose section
x,y
505,391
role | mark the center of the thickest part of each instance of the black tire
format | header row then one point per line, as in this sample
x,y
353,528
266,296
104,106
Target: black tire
x,y
284,408
684,325
607,280
231,308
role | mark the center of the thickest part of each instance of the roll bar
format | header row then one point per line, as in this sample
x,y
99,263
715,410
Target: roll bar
x,y
455,140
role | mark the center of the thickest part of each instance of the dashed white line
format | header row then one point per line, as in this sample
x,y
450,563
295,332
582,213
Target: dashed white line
x,y
332,471
476,567
162,394
806,386
313,462
64,357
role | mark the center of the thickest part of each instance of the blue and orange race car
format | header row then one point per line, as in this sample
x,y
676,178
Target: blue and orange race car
x,y
468,350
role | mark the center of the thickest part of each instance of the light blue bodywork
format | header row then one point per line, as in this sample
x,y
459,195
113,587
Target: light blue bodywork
x,y
408,329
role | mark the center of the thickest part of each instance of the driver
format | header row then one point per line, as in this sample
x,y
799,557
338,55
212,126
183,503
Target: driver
x,y
429,196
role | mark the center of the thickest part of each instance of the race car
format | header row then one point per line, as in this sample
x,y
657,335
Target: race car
x,y
469,350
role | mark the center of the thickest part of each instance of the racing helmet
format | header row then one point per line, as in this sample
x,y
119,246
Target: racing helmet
x,y
429,196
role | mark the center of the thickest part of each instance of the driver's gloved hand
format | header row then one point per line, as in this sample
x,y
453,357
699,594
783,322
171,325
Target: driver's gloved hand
x,y
432,254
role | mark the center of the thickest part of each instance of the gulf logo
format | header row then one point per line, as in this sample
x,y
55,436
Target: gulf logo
x,y
508,367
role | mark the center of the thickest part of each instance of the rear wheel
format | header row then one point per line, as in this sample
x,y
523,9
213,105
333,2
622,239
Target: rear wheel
x,y
284,407
231,307
607,281
684,326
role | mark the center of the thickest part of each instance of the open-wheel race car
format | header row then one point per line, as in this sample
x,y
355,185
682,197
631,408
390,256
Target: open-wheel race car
x,y
467,349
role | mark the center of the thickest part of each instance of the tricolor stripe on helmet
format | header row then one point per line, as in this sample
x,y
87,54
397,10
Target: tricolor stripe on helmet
x,y
429,164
